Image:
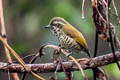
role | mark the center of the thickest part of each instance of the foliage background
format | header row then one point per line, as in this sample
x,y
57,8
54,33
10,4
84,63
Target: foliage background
x,y
25,21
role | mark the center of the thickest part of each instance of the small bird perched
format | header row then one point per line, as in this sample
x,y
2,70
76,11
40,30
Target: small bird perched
x,y
70,38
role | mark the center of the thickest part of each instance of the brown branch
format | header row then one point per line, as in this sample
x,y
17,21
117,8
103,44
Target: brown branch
x,y
83,13
3,32
69,65
65,53
19,59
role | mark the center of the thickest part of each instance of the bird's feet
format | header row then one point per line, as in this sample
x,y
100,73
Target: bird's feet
x,y
68,54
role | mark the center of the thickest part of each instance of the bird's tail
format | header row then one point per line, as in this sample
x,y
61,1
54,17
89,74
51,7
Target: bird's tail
x,y
88,53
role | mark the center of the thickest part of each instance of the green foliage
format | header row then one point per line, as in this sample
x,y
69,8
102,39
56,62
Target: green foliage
x,y
21,48
112,70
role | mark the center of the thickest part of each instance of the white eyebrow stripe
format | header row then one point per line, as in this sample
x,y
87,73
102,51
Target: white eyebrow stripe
x,y
56,22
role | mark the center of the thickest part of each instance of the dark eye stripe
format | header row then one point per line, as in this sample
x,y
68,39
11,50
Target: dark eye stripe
x,y
54,24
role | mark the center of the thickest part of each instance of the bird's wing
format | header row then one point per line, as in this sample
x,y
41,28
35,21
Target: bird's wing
x,y
74,33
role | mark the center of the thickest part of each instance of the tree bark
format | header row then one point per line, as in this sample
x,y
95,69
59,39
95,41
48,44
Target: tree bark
x,y
69,65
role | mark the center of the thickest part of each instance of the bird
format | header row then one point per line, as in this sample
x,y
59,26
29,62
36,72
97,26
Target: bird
x,y
69,37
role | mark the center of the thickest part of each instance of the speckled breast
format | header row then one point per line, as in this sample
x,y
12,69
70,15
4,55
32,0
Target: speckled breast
x,y
69,43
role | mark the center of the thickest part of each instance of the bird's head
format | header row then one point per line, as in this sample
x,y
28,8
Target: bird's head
x,y
56,23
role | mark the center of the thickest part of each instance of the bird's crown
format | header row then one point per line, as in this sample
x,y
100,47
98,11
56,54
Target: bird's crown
x,y
57,20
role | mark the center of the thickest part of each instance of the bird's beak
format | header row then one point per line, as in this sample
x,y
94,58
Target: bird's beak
x,y
48,26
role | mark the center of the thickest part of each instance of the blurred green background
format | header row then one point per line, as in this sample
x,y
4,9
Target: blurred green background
x,y
25,21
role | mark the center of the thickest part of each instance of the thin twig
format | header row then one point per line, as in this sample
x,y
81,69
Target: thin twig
x,y
86,63
64,52
79,65
68,74
31,61
28,56
3,32
83,14
116,12
19,59
110,36
101,15
9,75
